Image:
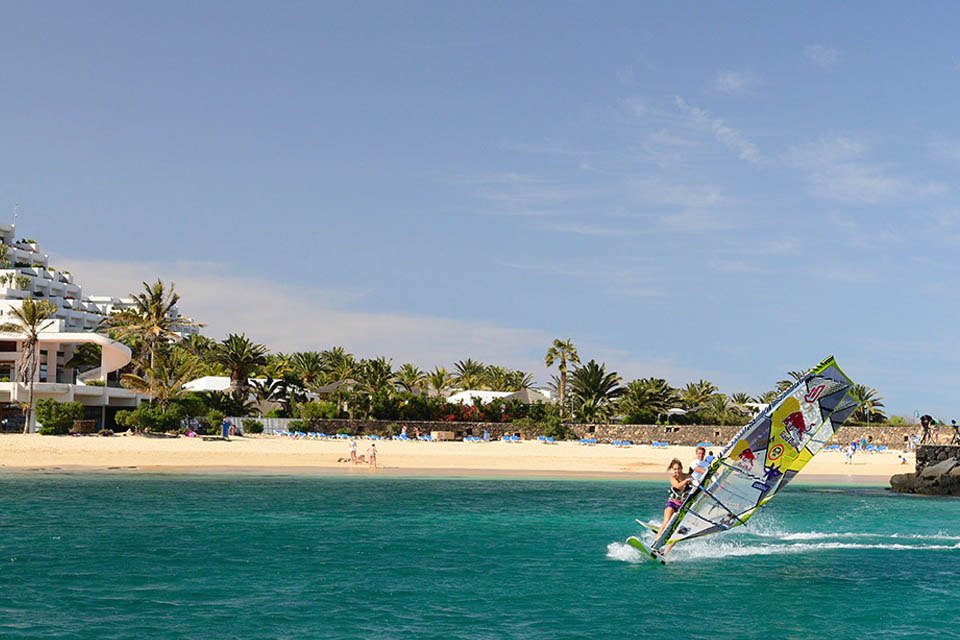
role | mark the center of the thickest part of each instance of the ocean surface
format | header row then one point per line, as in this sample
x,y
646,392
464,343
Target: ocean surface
x,y
241,556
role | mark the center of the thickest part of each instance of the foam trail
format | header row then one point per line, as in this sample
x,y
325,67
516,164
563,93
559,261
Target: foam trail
x,y
724,550
623,552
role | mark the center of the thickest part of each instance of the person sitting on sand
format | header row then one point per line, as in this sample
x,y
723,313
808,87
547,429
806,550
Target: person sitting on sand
x,y
679,489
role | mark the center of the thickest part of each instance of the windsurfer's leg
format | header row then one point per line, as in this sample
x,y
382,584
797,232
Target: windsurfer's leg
x,y
667,514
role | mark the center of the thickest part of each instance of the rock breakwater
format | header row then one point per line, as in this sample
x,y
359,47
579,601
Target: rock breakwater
x,y
937,473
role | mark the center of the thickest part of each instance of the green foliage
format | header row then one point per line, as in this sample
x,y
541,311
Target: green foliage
x,y
896,421
311,411
252,426
95,383
236,403
150,417
57,417
298,425
551,427
214,420
594,391
276,413
385,405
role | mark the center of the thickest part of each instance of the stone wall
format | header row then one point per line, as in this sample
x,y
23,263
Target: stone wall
x,y
929,455
689,435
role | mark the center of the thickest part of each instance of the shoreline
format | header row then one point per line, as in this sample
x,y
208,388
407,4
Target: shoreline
x,y
272,456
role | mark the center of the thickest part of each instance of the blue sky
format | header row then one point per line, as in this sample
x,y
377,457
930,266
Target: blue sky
x,y
686,190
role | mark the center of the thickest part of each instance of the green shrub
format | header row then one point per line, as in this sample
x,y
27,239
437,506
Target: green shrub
x,y
311,411
57,417
252,426
214,421
95,383
149,417
298,425
276,412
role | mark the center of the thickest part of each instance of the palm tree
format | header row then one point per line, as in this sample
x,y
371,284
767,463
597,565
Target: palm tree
x,y
164,380
769,396
270,390
721,408
792,376
152,320
337,359
696,395
470,374
241,357
31,318
741,398
648,397
591,386
562,351
375,375
871,404
496,378
519,380
411,378
439,380
308,367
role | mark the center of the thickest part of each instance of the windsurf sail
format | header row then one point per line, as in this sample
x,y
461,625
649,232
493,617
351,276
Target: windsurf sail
x,y
765,455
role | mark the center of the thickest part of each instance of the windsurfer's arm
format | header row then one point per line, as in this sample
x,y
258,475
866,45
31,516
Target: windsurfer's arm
x,y
681,484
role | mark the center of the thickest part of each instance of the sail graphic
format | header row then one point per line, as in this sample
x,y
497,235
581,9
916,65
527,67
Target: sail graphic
x,y
765,455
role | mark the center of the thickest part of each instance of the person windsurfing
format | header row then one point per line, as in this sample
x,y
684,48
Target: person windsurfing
x,y
680,486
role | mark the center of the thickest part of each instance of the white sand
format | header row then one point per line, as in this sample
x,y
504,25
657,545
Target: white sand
x,y
271,454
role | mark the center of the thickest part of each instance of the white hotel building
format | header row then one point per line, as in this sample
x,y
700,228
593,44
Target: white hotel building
x,y
26,273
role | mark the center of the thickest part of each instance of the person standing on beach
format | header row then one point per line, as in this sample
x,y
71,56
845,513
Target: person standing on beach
x,y
372,456
925,422
353,450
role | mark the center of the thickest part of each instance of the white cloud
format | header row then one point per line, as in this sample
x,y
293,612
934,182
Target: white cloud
x,y
836,169
726,135
288,318
591,230
819,54
625,76
658,192
732,82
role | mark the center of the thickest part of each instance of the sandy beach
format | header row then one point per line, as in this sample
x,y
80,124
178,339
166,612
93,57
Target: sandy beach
x,y
270,454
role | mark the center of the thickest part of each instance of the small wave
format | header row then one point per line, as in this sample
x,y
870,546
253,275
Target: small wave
x,y
715,550
826,535
723,550
623,552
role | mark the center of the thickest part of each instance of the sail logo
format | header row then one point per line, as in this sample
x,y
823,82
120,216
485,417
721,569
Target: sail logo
x,y
776,451
794,430
771,472
746,459
814,394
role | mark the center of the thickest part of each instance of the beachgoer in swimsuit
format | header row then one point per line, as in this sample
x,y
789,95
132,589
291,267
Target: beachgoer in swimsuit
x,y
353,451
372,455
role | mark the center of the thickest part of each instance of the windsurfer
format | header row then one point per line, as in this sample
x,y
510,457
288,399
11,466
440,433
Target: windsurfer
x,y
679,489
698,465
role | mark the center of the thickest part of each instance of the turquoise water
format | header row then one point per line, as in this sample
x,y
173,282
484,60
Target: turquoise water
x,y
140,556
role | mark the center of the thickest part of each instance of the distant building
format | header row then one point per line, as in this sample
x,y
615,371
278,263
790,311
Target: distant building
x,y
25,273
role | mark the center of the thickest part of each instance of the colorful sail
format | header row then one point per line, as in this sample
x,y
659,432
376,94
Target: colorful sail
x,y
765,455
